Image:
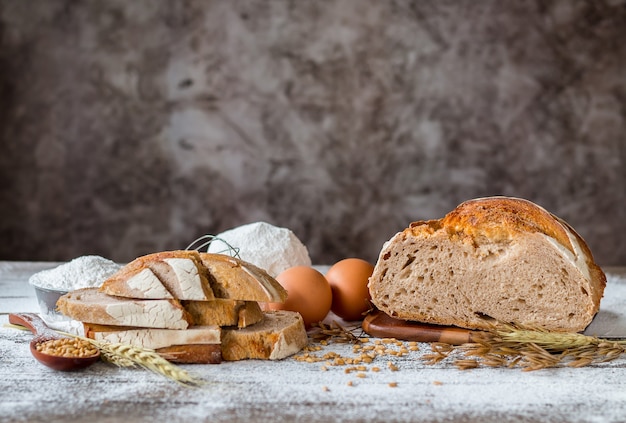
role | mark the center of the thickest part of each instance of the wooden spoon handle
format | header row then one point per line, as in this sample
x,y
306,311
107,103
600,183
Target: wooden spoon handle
x,y
383,326
32,322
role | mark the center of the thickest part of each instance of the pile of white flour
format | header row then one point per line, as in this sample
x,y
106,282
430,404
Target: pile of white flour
x,y
82,272
266,246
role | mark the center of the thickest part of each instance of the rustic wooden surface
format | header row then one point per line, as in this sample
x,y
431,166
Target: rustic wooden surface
x,y
291,390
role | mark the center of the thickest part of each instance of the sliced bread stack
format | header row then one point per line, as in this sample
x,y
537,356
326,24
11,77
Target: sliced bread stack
x,y
190,307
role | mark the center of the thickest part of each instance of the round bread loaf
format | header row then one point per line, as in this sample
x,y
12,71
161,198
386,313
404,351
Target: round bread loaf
x,y
490,259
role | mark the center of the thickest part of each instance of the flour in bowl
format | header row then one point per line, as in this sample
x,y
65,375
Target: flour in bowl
x,y
82,272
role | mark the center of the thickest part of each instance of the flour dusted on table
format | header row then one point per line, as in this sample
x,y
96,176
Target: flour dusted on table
x,y
266,246
82,272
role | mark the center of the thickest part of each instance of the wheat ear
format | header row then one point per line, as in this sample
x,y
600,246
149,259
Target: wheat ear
x,y
124,354
530,348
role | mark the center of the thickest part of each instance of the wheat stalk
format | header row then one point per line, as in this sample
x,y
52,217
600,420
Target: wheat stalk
x,y
506,345
125,355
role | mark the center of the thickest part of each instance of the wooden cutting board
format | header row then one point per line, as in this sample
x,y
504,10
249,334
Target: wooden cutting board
x,y
380,325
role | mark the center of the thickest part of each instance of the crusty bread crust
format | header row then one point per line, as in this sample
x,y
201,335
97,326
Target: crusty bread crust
x,y
492,258
236,279
192,354
501,218
279,335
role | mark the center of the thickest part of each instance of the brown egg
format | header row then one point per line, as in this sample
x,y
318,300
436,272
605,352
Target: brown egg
x,y
348,280
308,293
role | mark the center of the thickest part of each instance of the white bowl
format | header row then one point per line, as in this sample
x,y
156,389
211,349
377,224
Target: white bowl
x,y
47,299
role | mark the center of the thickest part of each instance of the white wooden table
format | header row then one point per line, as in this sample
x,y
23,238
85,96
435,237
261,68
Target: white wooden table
x,y
290,390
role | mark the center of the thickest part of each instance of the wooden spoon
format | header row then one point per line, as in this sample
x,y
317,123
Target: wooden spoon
x,y
383,326
42,334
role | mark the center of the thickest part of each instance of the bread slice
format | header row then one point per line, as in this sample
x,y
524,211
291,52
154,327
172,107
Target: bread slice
x,y
195,345
92,306
279,335
235,279
169,274
153,338
496,258
136,281
223,312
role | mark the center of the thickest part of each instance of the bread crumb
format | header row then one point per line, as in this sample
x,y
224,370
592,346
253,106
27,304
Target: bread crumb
x,y
393,384
438,383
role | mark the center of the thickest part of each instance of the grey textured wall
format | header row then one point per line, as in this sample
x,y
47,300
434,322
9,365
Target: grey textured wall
x,y
130,127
